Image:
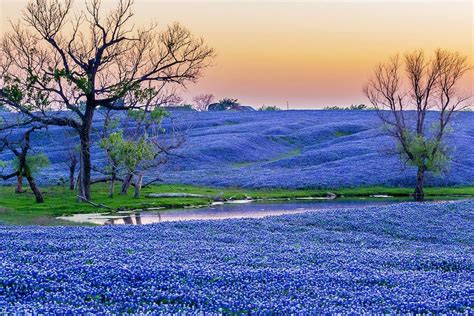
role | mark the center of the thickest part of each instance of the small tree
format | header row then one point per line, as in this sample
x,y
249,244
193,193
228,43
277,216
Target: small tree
x,y
358,107
146,146
269,108
133,154
228,102
111,142
202,101
71,159
224,104
404,105
24,164
141,124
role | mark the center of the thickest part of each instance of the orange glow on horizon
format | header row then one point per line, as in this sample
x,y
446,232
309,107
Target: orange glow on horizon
x,y
309,53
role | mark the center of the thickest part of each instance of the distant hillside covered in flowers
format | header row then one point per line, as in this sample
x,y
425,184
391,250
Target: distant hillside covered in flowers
x,y
289,149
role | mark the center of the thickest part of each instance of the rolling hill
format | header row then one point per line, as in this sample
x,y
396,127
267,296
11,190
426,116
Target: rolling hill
x,y
285,149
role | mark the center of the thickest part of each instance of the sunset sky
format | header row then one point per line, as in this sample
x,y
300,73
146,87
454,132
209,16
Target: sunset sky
x,y
309,53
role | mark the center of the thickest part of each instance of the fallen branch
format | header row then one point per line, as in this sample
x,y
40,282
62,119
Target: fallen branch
x,y
105,180
151,182
94,204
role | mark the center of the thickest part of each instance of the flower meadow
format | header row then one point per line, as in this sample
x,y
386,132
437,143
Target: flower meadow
x,y
404,258
288,149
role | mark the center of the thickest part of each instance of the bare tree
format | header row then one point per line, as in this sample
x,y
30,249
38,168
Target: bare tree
x,y
54,61
202,101
416,109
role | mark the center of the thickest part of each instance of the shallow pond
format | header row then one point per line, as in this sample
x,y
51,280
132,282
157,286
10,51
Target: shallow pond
x,y
238,209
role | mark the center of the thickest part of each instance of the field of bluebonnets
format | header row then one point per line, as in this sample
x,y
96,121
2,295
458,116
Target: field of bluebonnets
x,y
266,149
405,258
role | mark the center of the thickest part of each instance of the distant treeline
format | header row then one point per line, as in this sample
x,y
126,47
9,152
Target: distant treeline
x,y
352,107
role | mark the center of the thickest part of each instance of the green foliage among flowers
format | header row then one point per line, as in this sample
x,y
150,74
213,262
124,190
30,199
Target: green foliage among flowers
x,y
130,153
427,154
34,163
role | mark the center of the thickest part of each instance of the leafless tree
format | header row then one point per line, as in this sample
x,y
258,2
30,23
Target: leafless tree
x,y
417,107
53,60
202,101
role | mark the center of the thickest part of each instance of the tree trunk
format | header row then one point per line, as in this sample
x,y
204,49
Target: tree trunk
x,y
112,183
72,170
138,186
126,184
38,195
19,183
78,180
85,170
419,194
85,156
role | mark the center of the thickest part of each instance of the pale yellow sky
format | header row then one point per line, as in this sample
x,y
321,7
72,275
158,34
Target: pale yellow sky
x,y
309,53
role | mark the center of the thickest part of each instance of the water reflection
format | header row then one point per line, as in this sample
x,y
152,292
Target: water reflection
x,y
229,211
225,211
132,219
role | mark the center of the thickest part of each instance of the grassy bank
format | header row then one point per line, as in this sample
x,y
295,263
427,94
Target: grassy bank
x,y
22,209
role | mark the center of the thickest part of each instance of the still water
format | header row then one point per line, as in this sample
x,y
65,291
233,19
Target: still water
x,y
244,209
